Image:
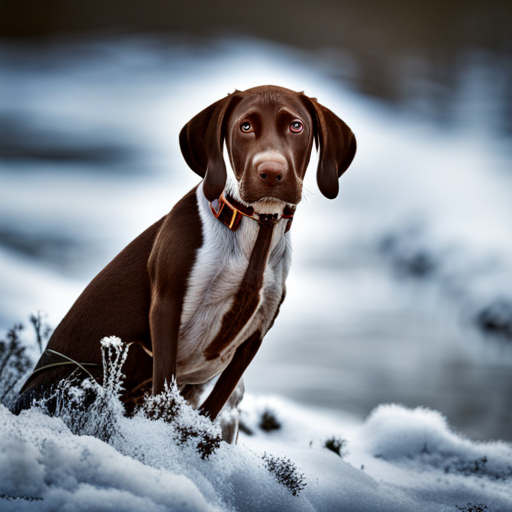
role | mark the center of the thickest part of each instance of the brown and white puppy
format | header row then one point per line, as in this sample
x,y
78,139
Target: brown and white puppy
x,y
196,293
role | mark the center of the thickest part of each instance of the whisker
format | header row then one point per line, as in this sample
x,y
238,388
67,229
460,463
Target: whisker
x,y
307,194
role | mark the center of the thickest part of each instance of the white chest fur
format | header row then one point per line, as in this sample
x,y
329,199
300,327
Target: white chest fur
x,y
218,271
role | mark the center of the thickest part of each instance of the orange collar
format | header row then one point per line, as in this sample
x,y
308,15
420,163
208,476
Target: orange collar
x,y
230,212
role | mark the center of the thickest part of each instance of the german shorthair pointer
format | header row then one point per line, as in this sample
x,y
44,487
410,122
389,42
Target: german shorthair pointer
x,y
197,291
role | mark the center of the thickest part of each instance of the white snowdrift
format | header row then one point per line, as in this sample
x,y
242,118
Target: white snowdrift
x,y
398,460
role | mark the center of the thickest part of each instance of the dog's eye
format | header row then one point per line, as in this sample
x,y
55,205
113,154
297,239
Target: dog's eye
x,y
296,126
246,127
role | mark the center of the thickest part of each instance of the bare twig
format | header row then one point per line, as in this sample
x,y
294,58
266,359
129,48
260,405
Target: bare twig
x,y
42,329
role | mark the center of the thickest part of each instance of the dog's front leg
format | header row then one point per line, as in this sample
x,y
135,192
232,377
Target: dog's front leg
x,y
164,319
229,378
169,266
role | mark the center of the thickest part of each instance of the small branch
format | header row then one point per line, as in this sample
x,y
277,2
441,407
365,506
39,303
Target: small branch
x,y
41,328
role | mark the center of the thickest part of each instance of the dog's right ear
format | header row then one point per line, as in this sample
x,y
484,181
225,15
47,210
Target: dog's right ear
x,y
201,141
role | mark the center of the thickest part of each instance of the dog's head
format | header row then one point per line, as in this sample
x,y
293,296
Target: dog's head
x,y
269,132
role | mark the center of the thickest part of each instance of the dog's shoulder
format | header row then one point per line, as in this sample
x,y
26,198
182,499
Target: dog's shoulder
x,y
177,241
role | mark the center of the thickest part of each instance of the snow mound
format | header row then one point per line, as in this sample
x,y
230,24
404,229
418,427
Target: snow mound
x,y
46,467
422,435
396,461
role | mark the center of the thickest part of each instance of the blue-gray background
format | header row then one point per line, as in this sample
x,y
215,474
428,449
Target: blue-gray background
x,y
401,288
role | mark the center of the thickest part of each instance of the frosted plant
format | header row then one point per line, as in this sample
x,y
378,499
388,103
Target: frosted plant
x,y
472,508
107,408
269,421
87,407
190,427
285,472
336,445
42,329
114,353
13,363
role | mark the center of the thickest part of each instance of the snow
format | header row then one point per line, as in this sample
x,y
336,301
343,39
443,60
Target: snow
x,y
41,458
397,461
166,456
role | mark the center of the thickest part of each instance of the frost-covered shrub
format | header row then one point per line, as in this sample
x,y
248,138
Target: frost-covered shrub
x,y
285,472
189,425
336,445
14,363
269,421
87,407
472,508
477,467
41,328
8,497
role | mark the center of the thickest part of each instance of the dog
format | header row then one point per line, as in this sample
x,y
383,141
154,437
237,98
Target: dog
x,y
198,290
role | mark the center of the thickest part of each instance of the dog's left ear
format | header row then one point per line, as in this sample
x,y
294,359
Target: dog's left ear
x,y
337,146
201,141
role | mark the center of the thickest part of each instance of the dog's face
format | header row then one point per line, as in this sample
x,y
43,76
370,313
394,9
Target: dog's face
x,y
269,139
269,133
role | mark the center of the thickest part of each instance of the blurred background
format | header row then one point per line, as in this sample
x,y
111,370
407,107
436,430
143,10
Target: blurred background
x,y
401,288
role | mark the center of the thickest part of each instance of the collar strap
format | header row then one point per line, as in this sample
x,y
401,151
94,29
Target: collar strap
x,y
230,212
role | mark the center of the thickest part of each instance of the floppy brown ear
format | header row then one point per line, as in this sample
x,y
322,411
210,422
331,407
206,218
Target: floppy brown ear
x,y
337,147
201,141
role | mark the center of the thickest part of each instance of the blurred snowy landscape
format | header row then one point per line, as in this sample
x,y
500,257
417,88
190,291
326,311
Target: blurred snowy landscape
x,y
400,289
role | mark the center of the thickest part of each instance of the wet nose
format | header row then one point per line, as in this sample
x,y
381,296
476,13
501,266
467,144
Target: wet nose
x,y
270,173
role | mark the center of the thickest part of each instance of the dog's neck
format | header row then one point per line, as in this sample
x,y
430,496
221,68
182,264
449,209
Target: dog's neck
x,y
231,211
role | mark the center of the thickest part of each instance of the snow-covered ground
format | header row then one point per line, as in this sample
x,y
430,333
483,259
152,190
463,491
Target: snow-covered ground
x,y
397,460
167,457
384,295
